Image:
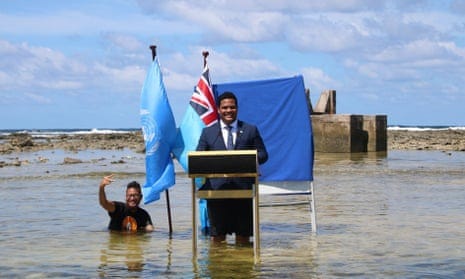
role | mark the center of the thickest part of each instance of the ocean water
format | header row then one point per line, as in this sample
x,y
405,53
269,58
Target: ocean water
x,y
380,215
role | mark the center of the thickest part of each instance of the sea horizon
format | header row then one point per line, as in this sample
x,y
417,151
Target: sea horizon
x,y
58,131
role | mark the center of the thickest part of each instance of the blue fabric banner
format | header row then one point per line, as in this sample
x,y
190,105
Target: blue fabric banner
x,y
159,129
279,108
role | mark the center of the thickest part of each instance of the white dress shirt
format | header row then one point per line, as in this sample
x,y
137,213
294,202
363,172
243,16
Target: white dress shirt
x,y
224,132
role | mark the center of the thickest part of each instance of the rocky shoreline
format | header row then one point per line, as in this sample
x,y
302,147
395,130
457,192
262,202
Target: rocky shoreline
x,y
444,140
23,142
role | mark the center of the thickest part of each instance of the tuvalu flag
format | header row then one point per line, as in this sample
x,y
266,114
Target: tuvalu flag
x,y
201,112
159,129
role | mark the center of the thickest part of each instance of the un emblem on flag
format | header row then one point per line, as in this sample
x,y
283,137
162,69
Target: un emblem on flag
x,y
151,134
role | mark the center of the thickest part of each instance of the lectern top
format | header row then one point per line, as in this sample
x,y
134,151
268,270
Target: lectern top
x,y
222,153
222,162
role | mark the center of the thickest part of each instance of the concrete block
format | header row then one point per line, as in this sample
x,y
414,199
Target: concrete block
x,y
376,127
349,133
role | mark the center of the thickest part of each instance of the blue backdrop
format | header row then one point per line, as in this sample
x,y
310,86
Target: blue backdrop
x,y
279,108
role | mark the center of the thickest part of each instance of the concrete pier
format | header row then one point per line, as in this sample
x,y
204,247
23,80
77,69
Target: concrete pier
x,y
349,133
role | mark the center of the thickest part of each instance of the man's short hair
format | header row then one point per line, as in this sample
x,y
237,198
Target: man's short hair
x,y
227,95
135,185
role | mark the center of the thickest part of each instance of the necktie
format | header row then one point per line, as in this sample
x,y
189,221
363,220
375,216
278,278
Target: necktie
x,y
230,144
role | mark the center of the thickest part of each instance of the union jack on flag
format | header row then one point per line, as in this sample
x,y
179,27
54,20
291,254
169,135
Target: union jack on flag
x,y
203,100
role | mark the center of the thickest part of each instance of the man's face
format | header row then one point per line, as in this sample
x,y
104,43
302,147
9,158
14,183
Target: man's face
x,y
132,197
228,110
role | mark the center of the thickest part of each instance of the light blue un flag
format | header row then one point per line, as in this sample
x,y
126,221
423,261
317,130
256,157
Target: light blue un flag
x,y
159,129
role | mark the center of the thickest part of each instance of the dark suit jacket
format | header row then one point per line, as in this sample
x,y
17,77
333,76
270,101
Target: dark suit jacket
x,y
247,138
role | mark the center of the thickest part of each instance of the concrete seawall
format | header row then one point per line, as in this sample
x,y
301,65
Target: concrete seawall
x,y
349,133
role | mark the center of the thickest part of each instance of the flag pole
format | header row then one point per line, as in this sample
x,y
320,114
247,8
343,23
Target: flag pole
x,y
205,55
167,195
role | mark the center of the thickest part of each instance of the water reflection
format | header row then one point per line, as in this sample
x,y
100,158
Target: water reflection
x,y
123,252
331,158
226,261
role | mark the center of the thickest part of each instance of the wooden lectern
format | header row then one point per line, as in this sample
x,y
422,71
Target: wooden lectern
x,y
221,164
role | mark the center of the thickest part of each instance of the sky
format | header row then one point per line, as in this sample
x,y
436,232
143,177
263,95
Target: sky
x,y
82,64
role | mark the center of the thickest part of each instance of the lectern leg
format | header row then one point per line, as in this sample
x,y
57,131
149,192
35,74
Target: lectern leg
x,y
256,224
194,221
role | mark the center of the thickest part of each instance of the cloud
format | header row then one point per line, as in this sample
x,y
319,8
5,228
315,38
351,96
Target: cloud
x,y
125,42
251,21
28,66
237,26
183,70
316,79
291,6
38,99
87,20
123,79
458,6
324,34
370,50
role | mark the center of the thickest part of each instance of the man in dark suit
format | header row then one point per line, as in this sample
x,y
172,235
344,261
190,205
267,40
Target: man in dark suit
x,y
229,216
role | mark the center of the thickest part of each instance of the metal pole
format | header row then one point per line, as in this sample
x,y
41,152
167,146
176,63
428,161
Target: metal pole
x,y
256,220
168,208
313,207
205,55
194,220
154,51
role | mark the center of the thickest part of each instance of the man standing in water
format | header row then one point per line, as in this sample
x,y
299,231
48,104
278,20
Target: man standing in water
x,y
125,216
229,216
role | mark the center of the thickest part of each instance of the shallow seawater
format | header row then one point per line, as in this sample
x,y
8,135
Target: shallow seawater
x,y
395,215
